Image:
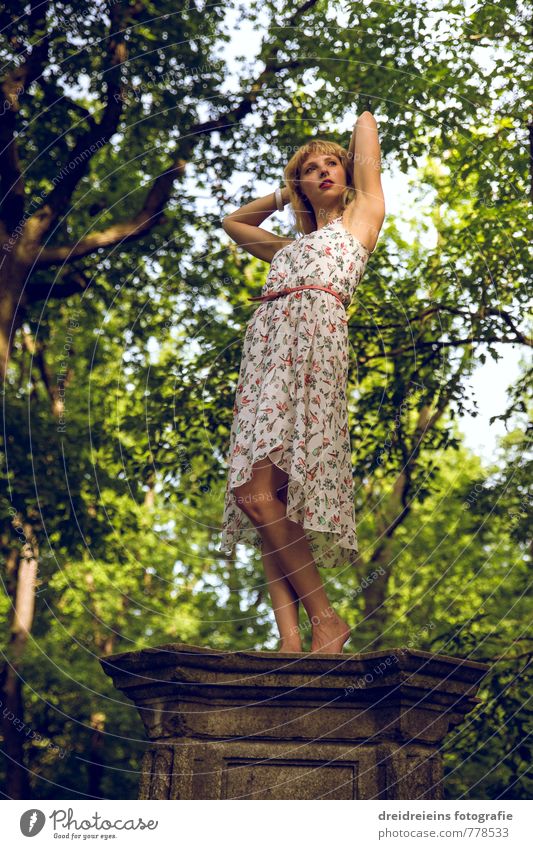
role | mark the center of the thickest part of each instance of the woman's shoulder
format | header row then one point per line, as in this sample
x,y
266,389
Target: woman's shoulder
x,y
363,222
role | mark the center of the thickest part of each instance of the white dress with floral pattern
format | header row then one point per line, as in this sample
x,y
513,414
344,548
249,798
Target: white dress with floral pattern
x,y
290,402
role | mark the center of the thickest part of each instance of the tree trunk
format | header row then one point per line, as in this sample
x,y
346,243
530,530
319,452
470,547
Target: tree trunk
x,y
12,306
96,751
17,785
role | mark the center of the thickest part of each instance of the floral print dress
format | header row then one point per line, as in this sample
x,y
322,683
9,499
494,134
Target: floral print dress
x,y
290,402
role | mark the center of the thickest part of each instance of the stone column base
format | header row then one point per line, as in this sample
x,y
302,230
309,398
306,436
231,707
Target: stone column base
x,y
272,725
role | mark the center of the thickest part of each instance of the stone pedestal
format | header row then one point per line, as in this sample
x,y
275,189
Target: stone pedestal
x,y
269,725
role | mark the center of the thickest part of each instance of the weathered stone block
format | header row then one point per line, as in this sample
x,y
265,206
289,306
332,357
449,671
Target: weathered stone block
x,y
265,725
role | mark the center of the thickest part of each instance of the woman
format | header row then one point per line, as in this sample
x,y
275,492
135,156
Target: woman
x,y
290,485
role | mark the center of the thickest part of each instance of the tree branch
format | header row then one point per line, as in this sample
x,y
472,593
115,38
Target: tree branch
x,y
54,95
422,316
14,85
121,233
99,134
37,349
521,337
399,507
402,485
411,319
158,195
72,282
422,346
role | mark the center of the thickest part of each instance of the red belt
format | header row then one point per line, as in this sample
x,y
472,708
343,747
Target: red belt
x,y
271,295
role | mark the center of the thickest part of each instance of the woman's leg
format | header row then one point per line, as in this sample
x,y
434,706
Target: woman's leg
x,y
258,498
285,602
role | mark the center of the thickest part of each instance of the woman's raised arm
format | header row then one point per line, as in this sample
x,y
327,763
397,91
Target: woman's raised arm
x,y
367,210
242,227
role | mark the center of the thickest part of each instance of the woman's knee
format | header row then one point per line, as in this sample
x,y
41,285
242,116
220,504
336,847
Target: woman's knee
x,y
257,504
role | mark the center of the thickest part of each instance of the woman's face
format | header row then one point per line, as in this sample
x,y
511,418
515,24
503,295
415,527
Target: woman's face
x,y
322,181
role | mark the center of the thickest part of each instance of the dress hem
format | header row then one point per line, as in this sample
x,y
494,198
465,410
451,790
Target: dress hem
x,y
292,505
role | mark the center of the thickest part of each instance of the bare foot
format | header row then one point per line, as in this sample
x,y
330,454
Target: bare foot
x,y
329,633
290,645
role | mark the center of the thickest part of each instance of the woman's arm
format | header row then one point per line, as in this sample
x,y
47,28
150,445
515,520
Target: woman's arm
x,y
366,212
242,227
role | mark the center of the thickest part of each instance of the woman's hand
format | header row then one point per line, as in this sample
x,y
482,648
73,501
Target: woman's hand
x,y
285,194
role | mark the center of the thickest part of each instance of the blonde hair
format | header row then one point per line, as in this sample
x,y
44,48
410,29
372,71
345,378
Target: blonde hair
x,y
304,219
